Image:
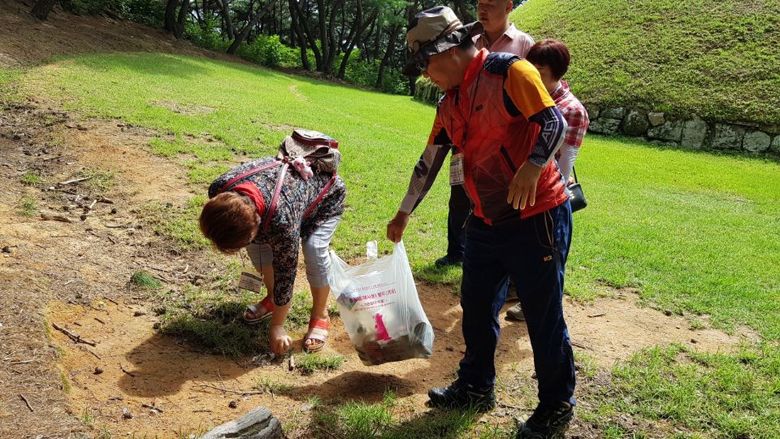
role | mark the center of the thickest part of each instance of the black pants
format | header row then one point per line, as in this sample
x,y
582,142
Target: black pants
x,y
460,206
532,252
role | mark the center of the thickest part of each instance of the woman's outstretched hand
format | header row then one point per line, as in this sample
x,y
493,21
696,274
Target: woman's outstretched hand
x,y
280,341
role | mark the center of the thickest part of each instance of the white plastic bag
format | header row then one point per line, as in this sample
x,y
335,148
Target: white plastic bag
x,y
380,308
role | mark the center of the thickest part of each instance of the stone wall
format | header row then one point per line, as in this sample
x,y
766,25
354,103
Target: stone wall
x,y
695,133
660,129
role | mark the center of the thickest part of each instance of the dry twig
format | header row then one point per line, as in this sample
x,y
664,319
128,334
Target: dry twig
x,y
237,392
60,218
26,402
126,371
75,180
75,337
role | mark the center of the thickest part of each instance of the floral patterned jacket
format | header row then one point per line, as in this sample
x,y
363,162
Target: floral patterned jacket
x,y
288,226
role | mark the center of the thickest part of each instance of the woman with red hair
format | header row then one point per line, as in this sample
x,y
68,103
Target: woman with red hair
x,y
269,206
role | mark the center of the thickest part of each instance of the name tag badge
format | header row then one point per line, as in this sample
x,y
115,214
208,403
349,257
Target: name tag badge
x,y
457,176
251,282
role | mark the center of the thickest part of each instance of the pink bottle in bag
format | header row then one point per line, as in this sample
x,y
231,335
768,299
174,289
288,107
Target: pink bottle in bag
x,y
381,330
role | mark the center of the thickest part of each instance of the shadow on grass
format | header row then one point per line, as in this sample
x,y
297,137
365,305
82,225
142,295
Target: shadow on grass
x,y
450,276
356,419
218,329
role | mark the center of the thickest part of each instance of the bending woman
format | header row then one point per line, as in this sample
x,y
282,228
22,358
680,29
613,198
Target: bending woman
x,y
268,207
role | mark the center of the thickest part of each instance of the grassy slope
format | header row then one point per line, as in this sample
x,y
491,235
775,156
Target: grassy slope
x,y
716,58
693,231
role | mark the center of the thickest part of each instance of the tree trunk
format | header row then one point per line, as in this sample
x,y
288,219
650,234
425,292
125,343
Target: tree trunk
x,y
380,77
224,5
170,15
180,22
360,29
324,40
244,33
299,36
254,16
41,9
302,21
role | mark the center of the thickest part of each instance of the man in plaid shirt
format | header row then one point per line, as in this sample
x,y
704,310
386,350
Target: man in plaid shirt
x,y
551,58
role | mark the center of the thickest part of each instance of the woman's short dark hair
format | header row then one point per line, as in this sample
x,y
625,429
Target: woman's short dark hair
x,y
228,221
551,53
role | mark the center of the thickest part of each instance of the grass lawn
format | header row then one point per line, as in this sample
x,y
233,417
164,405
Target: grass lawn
x,y
693,232
715,58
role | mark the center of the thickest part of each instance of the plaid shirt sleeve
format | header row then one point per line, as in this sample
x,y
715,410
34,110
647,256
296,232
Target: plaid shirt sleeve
x,y
577,118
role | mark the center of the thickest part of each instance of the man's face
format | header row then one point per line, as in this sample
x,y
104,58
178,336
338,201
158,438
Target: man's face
x,y
493,14
441,70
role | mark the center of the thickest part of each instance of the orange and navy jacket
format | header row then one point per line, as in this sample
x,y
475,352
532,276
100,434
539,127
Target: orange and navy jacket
x,y
499,117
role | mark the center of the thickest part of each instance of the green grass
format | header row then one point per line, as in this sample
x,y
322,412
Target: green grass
x,y
177,223
709,395
99,180
30,178
307,364
364,420
27,206
715,58
145,280
269,385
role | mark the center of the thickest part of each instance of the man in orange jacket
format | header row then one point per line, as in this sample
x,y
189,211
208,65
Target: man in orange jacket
x,y
505,129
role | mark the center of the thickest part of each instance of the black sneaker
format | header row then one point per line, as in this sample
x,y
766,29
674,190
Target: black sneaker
x,y
447,260
462,396
547,422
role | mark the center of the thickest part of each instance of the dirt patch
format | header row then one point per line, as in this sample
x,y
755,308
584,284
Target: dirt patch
x,y
120,148
32,41
195,390
188,110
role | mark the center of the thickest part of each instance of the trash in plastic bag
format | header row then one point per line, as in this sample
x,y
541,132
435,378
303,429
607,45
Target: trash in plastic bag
x,y
380,308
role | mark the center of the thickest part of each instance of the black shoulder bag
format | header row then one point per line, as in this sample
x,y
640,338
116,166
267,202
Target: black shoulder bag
x,y
576,196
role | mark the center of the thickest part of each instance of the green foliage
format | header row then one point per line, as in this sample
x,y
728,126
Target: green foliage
x,y
270,51
715,395
207,35
365,73
426,91
145,280
715,58
148,12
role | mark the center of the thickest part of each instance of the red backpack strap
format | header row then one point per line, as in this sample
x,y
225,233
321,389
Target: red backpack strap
x,y
233,181
274,198
319,198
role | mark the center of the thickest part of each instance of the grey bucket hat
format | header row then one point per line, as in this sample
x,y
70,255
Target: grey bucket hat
x,y
433,31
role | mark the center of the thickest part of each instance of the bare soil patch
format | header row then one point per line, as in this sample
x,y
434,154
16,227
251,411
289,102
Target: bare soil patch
x,y
24,40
